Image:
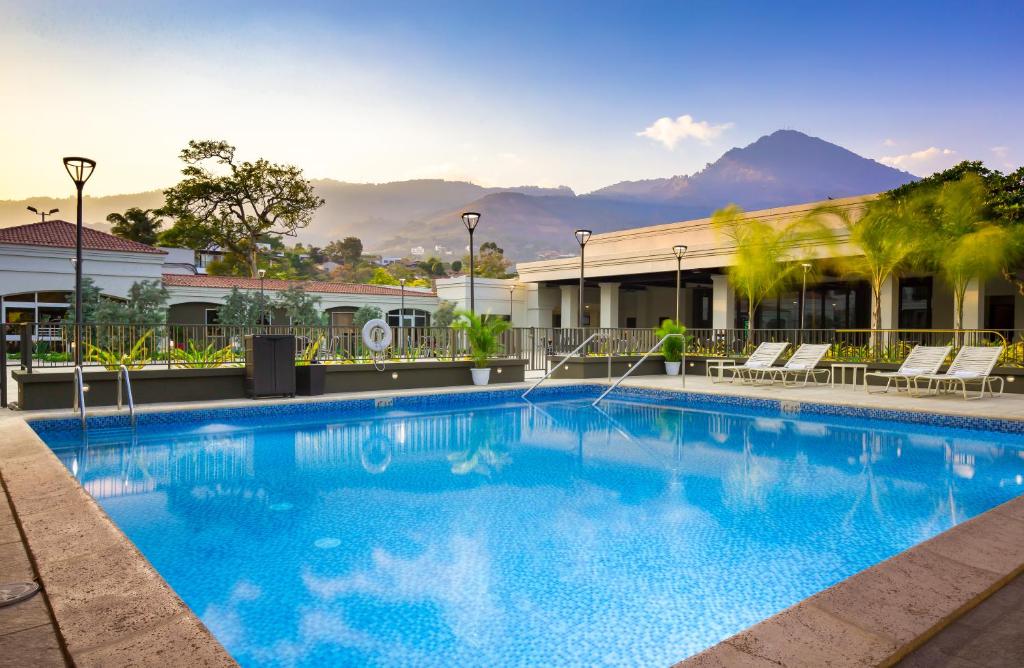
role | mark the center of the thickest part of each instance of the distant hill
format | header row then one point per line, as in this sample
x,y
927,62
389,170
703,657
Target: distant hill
x,y
785,167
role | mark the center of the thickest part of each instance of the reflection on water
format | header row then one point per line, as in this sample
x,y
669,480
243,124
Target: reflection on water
x,y
549,533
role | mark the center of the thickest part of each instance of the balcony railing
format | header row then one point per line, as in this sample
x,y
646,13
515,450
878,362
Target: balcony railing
x,y
195,346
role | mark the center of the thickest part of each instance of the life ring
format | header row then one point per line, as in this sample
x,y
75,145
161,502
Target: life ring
x,y
377,335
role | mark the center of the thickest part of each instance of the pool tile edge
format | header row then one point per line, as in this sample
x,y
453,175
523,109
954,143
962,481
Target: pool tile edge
x,y
145,623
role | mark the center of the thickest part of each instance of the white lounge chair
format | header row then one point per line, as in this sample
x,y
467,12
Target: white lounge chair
x,y
973,364
922,361
759,361
804,362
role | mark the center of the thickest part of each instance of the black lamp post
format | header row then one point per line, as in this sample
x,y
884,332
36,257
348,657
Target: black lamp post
x,y
511,292
401,309
471,218
263,314
803,294
43,214
79,169
679,250
582,237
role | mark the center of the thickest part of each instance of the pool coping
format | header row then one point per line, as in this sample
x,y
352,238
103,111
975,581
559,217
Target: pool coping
x,y
109,602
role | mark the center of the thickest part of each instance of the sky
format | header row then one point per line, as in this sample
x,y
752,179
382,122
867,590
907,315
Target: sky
x,y
582,94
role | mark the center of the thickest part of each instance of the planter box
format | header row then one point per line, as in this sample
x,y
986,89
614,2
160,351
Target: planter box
x,y
309,380
597,367
47,390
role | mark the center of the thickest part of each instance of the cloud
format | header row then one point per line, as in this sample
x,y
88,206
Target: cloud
x,y
909,160
888,142
670,132
1001,151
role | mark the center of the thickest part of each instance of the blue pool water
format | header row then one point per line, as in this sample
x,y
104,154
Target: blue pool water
x,y
498,532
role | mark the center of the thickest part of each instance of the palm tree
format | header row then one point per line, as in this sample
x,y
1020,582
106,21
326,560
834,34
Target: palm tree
x,y
961,243
888,239
766,257
135,224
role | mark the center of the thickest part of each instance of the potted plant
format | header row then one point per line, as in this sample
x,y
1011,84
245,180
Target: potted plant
x,y
310,375
482,333
671,347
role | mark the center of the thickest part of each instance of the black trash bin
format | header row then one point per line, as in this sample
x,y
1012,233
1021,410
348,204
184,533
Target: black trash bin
x,y
270,365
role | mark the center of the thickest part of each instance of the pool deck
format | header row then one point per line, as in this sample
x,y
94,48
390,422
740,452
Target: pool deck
x,y
103,604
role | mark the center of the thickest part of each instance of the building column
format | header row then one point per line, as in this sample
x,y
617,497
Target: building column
x,y
723,303
974,305
609,304
537,315
570,306
890,304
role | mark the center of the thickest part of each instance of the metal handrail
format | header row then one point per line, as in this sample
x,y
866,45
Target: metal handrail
x,y
122,373
565,359
79,397
682,366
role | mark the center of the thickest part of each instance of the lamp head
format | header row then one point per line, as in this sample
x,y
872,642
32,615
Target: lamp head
x,y
52,211
262,272
79,169
679,250
401,282
470,219
806,266
582,237
32,209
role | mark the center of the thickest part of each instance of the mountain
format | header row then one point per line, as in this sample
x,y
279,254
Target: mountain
x,y
785,167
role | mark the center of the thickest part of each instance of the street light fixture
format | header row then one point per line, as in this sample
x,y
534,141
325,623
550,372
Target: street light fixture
x,y
679,251
582,237
470,220
79,169
42,214
803,293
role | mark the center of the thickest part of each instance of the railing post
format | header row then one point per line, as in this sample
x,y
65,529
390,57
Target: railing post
x,y
26,347
3,366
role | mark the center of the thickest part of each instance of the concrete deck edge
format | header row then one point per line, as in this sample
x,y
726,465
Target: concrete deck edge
x,y
110,605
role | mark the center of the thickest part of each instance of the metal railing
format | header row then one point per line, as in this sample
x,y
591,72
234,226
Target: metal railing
x,y
122,374
78,402
630,370
196,346
565,359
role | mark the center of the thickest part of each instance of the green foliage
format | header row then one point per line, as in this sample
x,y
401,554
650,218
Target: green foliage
x,y
490,262
205,357
141,352
672,347
457,266
301,307
348,251
365,314
240,204
382,276
309,353
146,305
765,261
444,315
482,333
243,308
135,224
433,267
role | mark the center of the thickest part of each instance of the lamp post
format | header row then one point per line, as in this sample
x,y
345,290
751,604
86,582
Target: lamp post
x,y
582,237
679,251
511,292
470,219
803,294
79,169
43,214
401,309
263,315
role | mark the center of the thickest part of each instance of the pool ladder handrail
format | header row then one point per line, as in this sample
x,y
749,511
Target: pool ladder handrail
x,y
78,402
122,374
565,359
682,366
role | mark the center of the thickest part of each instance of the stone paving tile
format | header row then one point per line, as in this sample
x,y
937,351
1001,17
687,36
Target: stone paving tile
x,y
24,615
36,647
14,563
180,642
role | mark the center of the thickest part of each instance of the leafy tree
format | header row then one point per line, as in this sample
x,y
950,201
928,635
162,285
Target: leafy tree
x,y
764,263
146,305
240,204
92,299
382,276
301,307
433,267
135,224
365,314
457,266
444,315
482,333
244,308
490,262
348,251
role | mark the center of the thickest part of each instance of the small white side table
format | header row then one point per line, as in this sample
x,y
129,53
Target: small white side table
x,y
717,364
853,367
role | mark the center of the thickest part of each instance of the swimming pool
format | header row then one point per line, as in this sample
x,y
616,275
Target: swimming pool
x,y
479,529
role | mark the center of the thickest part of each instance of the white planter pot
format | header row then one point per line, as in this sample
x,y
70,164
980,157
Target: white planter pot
x,y
672,368
480,376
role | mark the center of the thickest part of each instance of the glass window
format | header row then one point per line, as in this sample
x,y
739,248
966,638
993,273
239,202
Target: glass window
x,y
413,318
54,297
21,297
212,316
916,303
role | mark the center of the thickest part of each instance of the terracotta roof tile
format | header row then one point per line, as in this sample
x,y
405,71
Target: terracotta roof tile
x,y
61,234
275,284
